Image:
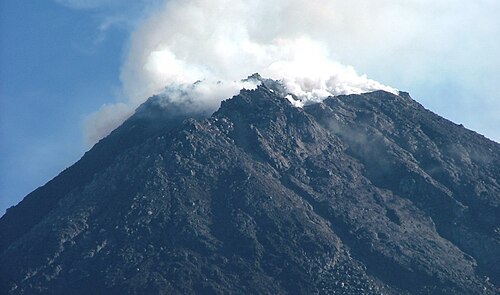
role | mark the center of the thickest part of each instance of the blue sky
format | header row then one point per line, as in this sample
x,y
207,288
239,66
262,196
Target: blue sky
x,y
54,71
60,61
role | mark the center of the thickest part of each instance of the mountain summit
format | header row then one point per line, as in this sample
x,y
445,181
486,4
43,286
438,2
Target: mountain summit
x,y
358,194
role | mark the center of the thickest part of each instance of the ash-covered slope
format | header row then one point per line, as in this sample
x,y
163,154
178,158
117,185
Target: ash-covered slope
x,y
360,194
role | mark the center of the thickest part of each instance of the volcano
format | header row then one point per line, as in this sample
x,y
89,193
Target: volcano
x,y
358,194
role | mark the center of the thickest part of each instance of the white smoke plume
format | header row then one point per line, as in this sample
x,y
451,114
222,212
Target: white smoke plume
x,y
108,117
221,42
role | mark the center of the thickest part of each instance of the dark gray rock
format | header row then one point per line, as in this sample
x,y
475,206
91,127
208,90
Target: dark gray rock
x,y
360,194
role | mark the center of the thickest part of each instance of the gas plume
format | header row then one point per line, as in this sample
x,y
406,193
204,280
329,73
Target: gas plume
x,y
217,43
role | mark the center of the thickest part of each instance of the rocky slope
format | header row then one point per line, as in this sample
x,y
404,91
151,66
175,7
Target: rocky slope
x,y
360,194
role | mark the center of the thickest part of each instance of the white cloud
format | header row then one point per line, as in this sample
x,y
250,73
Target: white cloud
x,y
188,41
305,42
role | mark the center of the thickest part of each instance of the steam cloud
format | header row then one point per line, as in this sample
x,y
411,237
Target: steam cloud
x,y
217,43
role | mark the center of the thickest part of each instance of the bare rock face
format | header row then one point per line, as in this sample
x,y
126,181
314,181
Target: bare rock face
x,y
359,194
